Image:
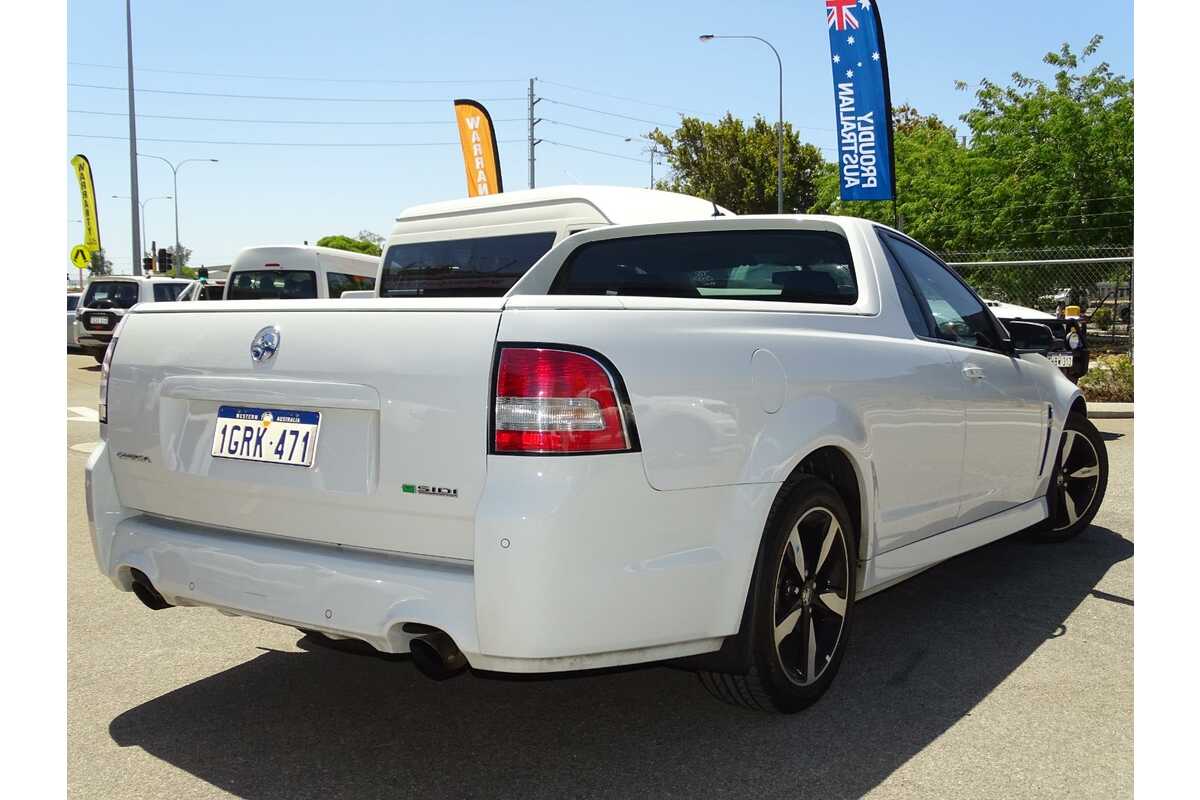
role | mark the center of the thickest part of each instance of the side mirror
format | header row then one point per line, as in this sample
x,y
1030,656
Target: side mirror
x,y
1029,337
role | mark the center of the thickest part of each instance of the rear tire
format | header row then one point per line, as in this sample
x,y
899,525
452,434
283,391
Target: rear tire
x,y
1077,482
802,603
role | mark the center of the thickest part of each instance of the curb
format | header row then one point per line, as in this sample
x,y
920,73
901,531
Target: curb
x,y
1110,410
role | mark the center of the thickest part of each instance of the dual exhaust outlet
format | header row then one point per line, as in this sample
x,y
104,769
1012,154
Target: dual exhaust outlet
x,y
433,652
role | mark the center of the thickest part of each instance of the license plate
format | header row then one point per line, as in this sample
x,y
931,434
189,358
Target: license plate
x,y
271,435
1062,359
100,319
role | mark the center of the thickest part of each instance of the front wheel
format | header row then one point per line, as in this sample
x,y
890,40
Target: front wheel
x,y
802,604
1078,481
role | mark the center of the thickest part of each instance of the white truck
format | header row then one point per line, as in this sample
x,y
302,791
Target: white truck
x,y
696,441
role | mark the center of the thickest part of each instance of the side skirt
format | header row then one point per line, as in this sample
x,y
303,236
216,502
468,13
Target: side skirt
x,y
904,562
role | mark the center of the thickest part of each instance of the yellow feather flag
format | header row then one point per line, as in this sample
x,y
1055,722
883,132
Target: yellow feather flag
x,y
480,156
87,192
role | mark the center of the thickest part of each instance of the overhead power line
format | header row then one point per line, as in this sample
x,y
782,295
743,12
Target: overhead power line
x,y
280,144
595,130
447,121
590,150
627,99
294,97
968,203
393,81
605,113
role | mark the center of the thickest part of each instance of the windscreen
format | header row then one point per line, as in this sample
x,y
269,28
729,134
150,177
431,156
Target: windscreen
x,y
272,284
111,294
796,266
72,301
480,267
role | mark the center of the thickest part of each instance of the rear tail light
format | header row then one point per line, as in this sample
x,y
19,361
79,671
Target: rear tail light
x,y
104,368
550,400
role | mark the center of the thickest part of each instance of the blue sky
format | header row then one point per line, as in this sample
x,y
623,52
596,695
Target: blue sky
x,y
640,51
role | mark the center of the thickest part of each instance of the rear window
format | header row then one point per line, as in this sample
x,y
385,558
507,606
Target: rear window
x,y
787,266
111,294
72,301
481,267
340,282
165,292
272,284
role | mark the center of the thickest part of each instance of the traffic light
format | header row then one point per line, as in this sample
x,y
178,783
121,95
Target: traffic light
x,y
147,265
202,274
164,260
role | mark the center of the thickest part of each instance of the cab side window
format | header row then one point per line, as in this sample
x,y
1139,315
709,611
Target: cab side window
x,y
958,315
340,282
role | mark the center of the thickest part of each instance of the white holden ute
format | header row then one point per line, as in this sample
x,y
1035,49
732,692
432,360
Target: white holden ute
x,y
697,441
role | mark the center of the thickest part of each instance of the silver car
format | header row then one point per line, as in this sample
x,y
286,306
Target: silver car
x,y
72,332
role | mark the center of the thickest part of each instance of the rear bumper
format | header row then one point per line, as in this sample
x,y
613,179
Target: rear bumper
x,y
87,339
570,581
345,592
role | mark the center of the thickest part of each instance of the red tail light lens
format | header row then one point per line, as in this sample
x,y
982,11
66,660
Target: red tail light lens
x,y
556,401
105,367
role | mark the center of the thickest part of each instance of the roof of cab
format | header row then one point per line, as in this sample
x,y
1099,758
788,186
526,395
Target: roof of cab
x,y
617,204
274,251
159,278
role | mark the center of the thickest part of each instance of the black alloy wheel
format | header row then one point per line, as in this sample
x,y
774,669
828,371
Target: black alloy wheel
x,y
801,605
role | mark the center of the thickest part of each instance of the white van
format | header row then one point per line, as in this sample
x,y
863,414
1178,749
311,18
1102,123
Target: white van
x,y
480,246
298,272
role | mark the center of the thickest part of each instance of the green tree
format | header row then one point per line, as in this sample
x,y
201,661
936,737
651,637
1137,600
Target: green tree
x,y
931,170
1048,164
100,264
1055,158
349,243
734,165
370,236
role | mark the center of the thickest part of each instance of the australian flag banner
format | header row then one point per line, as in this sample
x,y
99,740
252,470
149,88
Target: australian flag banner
x,y
866,163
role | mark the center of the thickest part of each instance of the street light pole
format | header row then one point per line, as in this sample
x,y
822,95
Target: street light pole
x,y
708,37
133,175
175,183
142,203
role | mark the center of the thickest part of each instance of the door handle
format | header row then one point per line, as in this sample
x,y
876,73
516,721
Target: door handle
x,y
972,372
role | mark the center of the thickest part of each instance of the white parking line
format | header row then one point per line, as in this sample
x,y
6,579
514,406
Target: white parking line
x,y
82,414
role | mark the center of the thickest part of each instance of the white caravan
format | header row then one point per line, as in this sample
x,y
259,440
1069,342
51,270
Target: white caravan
x,y
295,272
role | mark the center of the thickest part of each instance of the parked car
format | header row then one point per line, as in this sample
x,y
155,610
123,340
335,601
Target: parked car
x,y
295,272
699,441
107,298
72,335
488,242
1070,349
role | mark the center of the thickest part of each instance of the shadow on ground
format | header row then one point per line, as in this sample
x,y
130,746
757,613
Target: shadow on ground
x,y
330,724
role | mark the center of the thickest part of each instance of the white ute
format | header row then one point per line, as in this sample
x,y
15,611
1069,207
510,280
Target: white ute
x,y
699,441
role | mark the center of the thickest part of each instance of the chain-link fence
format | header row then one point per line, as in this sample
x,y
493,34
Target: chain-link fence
x,y
1097,278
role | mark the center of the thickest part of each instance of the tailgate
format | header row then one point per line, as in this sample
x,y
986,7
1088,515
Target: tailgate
x,y
401,387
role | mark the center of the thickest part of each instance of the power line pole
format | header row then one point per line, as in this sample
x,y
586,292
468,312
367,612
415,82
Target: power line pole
x,y
136,247
533,142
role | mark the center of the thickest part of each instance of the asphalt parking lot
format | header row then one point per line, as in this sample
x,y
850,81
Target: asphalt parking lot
x,y
1006,672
